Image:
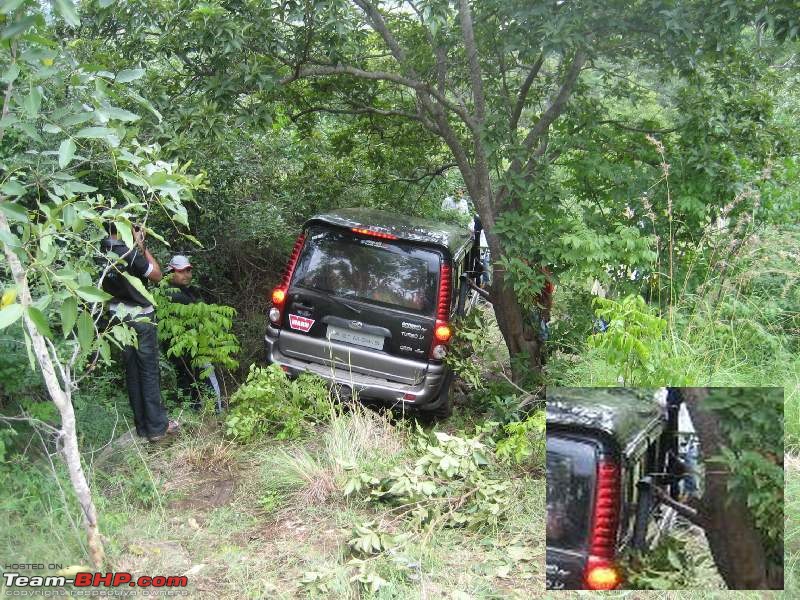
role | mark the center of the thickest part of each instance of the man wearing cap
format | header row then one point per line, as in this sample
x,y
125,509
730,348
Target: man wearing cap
x,y
128,305
182,292
180,279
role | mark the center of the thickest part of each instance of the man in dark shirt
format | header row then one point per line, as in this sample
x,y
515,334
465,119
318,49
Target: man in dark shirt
x,y
189,377
130,306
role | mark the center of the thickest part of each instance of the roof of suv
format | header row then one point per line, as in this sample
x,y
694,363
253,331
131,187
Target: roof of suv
x,y
624,414
412,229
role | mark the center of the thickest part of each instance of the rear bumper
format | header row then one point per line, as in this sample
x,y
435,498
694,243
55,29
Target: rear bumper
x,y
425,390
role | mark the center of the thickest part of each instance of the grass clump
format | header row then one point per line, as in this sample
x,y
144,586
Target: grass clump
x,y
312,474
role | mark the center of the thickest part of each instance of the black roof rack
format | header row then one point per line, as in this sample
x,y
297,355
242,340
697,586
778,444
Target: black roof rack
x,y
624,414
413,229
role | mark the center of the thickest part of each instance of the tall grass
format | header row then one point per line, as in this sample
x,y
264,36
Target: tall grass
x,y
792,525
740,329
309,473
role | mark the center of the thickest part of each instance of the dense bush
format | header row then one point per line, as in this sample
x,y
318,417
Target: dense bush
x,y
447,485
200,331
269,403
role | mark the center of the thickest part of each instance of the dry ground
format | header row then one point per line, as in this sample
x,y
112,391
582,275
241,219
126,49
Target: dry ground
x,y
216,520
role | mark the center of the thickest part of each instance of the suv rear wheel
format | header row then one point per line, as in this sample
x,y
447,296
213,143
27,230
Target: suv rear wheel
x,y
443,408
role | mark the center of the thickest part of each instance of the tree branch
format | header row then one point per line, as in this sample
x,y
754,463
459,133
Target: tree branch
x,y
522,97
9,90
471,48
687,512
379,25
415,84
559,103
339,69
636,129
428,174
439,53
354,111
537,154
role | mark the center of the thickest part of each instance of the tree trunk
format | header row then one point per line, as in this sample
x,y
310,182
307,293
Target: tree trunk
x,y
520,333
61,396
734,541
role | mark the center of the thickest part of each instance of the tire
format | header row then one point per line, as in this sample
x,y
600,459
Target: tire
x,y
442,408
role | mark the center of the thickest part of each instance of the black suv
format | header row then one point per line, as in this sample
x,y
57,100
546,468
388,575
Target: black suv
x,y
367,301
609,459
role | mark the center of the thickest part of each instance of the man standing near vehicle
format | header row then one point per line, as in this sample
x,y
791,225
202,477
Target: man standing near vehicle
x,y
188,376
458,204
128,305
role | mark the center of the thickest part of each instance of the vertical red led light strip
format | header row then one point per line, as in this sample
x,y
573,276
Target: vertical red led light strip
x,y
601,572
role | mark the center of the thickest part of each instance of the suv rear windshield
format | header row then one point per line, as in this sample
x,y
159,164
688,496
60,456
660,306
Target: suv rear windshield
x,y
571,468
393,274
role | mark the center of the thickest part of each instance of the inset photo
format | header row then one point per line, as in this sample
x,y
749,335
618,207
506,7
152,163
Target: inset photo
x,y
665,488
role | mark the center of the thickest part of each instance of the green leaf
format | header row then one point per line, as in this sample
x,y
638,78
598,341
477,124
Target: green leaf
x,y
40,321
77,119
129,75
124,231
146,104
32,102
29,130
180,215
69,314
66,152
137,283
14,212
9,239
106,3
76,187
133,179
105,350
10,6
10,314
69,215
121,114
96,133
20,26
7,121
193,239
13,188
11,74
67,10
92,294
85,331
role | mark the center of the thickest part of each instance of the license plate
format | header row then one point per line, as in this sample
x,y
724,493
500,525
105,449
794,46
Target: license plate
x,y
356,338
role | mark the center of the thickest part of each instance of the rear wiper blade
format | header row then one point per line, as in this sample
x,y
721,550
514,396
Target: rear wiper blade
x,y
345,304
335,299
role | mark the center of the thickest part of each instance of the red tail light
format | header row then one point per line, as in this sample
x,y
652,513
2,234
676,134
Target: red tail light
x,y
373,233
602,577
279,293
442,332
601,573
